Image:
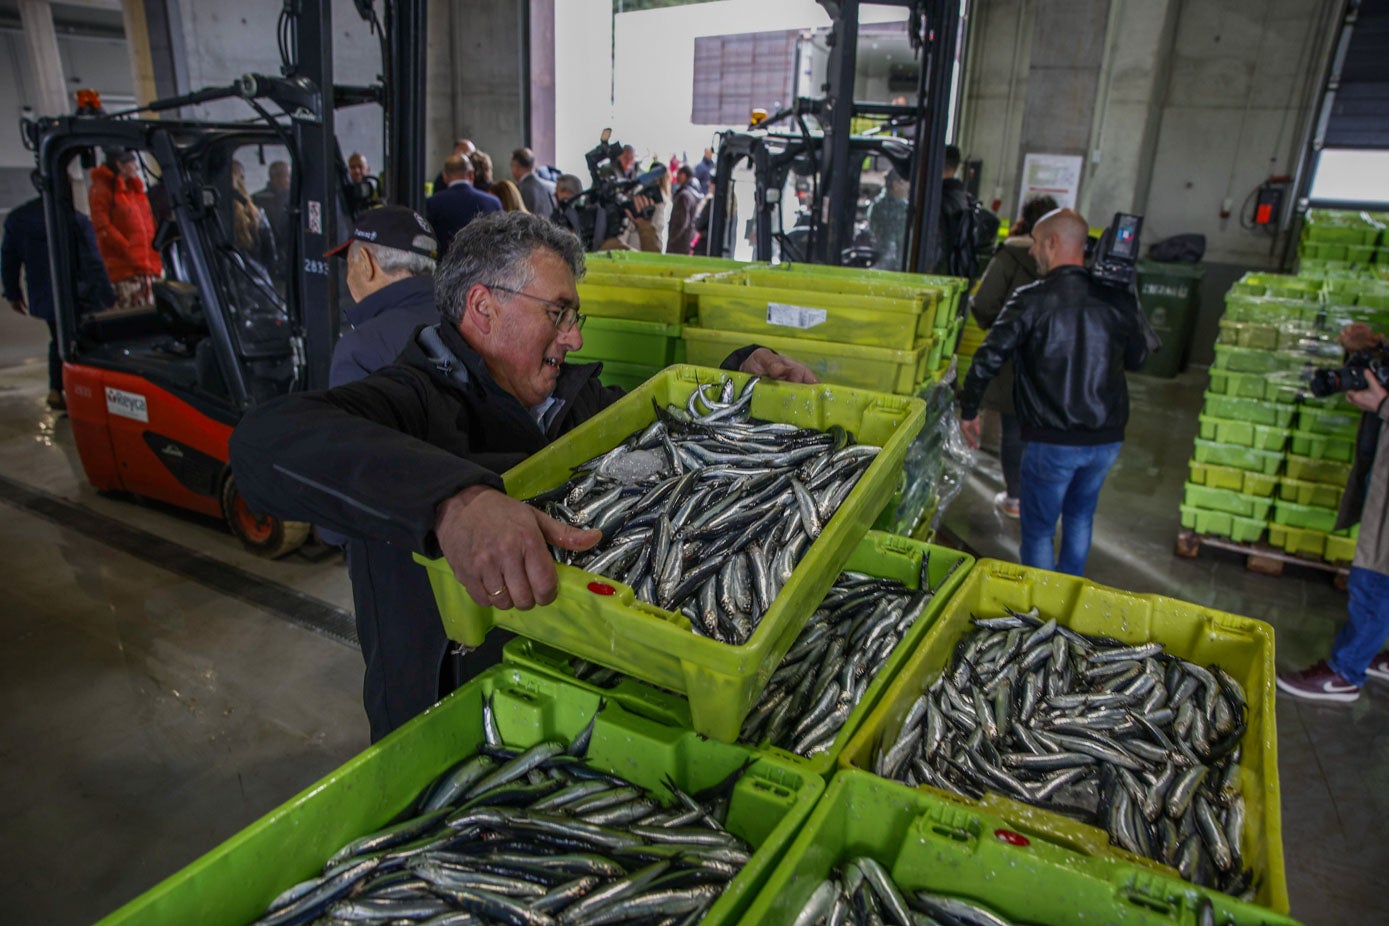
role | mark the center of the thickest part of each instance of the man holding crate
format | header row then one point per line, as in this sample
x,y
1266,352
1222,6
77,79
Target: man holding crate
x,y
413,454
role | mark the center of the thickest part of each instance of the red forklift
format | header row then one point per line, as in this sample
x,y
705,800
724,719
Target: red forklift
x,y
154,391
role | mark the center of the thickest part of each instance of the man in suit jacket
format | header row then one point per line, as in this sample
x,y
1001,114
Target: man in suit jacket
x,y
536,193
457,205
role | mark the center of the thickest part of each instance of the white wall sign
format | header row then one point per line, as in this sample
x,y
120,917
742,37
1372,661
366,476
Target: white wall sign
x,y
1054,175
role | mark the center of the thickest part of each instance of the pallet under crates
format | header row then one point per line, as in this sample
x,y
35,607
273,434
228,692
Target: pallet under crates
x,y
1260,557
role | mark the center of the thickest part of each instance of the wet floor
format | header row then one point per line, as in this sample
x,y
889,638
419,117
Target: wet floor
x,y
162,690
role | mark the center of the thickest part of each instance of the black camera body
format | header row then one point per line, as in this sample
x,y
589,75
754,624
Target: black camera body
x,y
1116,256
598,213
1352,377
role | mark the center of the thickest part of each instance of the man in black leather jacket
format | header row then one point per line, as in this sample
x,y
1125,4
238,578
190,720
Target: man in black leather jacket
x,y
1071,338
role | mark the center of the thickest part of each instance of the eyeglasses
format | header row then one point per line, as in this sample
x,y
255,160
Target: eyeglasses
x,y
564,317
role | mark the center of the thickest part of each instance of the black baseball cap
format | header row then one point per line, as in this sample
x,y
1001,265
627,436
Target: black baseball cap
x,y
392,227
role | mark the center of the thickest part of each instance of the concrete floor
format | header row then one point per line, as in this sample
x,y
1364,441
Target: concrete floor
x,y
161,691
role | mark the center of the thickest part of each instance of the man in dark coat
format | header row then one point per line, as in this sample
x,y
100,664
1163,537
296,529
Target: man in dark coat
x,y
274,202
684,208
1070,338
955,251
25,247
459,203
412,455
536,193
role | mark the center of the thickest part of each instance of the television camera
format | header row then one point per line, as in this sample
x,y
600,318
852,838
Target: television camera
x,y
599,212
1116,255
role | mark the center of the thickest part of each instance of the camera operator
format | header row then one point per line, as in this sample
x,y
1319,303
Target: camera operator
x,y
589,223
1357,651
1070,337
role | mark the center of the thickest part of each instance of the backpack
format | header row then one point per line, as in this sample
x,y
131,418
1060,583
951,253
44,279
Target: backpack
x,y
974,240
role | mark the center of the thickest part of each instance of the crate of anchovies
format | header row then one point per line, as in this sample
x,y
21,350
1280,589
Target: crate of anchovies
x,y
1127,725
728,504
867,625
875,851
517,799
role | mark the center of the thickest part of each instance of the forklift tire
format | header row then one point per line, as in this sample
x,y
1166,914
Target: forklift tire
x,y
264,535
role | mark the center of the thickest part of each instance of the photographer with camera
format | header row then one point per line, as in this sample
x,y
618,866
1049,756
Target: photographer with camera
x,y
601,214
1071,335
1357,650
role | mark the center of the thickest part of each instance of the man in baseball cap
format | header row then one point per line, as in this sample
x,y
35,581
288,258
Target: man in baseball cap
x,y
390,273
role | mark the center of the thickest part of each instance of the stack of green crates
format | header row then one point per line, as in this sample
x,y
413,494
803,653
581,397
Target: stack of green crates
x,y
1340,240
637,306
1269,461
870,329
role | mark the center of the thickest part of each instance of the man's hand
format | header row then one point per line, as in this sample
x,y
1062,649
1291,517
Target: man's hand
x,y
497,547
970,429
1359,336
19,306
763,362
1368,399
640,203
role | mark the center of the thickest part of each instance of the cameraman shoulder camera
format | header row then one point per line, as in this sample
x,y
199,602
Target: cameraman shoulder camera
x,y
599,214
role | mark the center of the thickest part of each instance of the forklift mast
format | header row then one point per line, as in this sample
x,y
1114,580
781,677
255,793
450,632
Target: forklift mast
x,y
834,155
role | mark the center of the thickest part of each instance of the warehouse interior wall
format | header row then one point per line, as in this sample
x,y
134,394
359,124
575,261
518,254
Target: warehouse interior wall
x,y
1180,108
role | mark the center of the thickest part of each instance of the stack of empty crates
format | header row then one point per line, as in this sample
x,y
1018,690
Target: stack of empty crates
x,y
1271,461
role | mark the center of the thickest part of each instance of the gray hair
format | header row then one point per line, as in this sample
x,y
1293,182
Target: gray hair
x,y
568,183
495,250
394,260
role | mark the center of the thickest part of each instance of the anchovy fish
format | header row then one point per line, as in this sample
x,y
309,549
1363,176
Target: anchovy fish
x,y
1125,737
706,511
530,837
861,892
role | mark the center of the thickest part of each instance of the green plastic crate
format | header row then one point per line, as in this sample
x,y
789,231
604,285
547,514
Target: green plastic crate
x,y
1323,446
951,288
1227,500
615,373
1258,436
650,344
1253,386
606,623
1240,645
1223,524
649,299
1312,469
634,695
766,303
927,842
877,368
1232,478
1339,549
1298,541
1246,360
646,262
1266,310
233,883
1361,254
1260,461
1311,517
1254,411
882,555
1317,494
1258,335
1340,419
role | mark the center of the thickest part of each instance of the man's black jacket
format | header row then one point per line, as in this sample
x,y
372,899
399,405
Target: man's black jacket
x,y
1071,339
374,458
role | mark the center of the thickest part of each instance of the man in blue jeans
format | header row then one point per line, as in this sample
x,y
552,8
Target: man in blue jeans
x,y
1071,337
1355,654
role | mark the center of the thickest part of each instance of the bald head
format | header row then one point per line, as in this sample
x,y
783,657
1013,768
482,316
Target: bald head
x,y
1058,240
458,167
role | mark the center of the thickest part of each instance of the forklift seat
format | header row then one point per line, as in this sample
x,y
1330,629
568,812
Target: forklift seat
x,y
180,310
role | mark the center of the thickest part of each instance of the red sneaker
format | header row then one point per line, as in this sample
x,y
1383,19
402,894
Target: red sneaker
x,y
1318,682
1379,667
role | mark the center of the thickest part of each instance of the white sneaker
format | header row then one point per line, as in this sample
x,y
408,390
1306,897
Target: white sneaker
x,y
1007,504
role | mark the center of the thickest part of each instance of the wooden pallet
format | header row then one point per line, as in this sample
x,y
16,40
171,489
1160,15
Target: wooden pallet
x,y
1259,557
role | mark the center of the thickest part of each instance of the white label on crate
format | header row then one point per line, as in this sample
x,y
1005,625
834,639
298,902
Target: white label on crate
x,y
127,404
794,316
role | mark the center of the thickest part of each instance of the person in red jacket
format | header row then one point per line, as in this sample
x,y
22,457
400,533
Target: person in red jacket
x,y
125,228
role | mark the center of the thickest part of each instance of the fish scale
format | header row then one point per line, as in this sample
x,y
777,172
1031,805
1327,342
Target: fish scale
x,y
1075,726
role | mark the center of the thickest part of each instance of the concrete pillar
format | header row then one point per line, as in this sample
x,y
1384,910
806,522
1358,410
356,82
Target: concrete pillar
x,y
491,77
45,64
137,34
542,80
